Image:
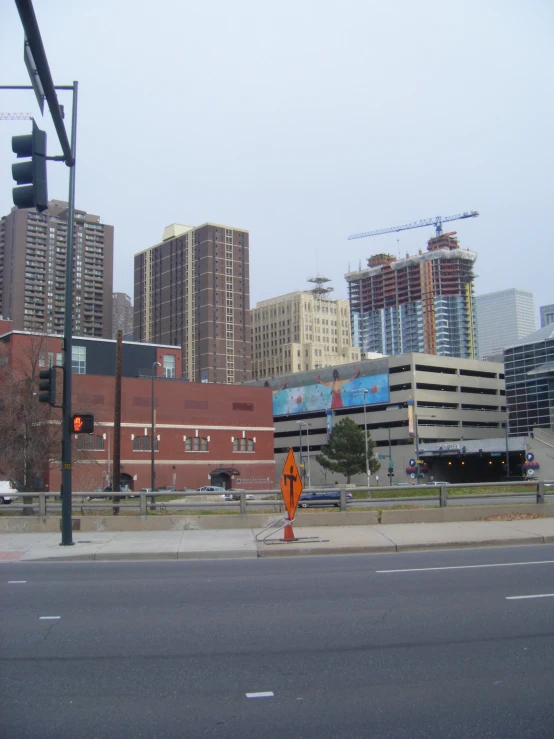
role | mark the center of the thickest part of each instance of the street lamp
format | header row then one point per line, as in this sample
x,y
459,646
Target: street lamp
x,y
153,443
366,452
417,445
307,425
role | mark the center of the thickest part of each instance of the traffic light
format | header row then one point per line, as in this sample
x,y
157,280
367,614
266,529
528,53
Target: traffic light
x,y
47,386
82,423
31,174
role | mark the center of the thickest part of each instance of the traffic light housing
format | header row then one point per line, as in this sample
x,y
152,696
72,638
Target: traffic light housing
x,y
30,174
47,386
82,423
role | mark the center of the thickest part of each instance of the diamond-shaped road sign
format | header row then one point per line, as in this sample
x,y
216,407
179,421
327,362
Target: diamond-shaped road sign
x,y
291,485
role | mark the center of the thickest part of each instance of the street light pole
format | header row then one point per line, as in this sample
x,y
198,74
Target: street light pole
x,y
366,452
416,448
153,443
300,443
390,460
307,425
507,450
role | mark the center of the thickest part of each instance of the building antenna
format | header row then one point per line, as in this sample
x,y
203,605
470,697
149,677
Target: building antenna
x,y
398,247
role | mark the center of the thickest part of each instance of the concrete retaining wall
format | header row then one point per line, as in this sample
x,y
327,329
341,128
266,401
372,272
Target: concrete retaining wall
x,y
37,524
51,524
465,513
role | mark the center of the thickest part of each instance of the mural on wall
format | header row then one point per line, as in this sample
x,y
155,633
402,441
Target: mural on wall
x,y
335,392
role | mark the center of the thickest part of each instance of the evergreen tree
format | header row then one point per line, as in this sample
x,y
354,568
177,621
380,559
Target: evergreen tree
x,y
345,452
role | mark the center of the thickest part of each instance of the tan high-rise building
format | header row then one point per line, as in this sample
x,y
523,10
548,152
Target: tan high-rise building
x,y
192,290
33,265
301,331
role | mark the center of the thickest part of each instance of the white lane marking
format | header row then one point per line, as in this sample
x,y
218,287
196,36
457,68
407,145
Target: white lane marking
x,y
260,695
524,597
49,618
473,567
16,582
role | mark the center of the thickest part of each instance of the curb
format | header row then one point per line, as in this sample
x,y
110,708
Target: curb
x,y
285,550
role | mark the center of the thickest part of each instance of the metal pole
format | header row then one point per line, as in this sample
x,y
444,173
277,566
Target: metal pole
x,y
308,448
507,450
365,432
300,437
416,448
153,443
67,489
390,460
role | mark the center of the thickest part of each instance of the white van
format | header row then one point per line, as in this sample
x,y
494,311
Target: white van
x,y
7,493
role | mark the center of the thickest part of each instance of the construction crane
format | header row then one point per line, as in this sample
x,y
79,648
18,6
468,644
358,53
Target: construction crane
x,y
436,222
16,117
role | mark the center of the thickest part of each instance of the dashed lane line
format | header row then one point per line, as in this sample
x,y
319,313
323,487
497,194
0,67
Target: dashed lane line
x,y
471,567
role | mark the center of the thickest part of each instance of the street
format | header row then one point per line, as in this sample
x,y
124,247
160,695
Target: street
x,y
427,644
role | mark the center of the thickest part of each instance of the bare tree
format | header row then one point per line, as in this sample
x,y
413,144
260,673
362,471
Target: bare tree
x,y
29,430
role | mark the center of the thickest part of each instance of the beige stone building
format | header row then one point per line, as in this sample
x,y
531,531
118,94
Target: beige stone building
x,y
301,331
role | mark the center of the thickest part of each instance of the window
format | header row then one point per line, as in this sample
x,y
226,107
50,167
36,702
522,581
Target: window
x,y
99,443
169,365
196,444
85,442
243,445
145,444
136,444
79,360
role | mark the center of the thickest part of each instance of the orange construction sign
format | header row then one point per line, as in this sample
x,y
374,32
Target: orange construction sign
x,y
291,485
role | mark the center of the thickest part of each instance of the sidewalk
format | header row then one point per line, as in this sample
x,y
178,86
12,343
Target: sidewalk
x,y
233,543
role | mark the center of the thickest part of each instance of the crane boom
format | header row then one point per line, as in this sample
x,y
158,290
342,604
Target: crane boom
x,y
16,117
436,222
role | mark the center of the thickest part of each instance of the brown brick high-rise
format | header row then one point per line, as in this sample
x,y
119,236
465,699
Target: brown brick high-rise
x,y
192,290
32,271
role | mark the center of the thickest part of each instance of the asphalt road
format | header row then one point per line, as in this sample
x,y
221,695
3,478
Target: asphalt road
x,y
347,647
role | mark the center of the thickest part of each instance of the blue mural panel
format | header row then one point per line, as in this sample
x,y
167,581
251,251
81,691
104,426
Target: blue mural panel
x,y
332,394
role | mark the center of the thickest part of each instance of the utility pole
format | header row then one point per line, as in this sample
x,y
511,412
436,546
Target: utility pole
x,y
116,478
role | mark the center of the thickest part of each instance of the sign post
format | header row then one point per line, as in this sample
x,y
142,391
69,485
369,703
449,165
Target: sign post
x,y
291,490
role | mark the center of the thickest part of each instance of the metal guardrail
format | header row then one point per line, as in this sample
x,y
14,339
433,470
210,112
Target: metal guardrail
x,y
44,504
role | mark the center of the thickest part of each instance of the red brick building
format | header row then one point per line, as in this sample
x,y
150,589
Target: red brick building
x,y
205,433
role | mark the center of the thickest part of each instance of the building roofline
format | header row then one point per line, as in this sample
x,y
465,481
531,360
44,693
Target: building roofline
x,y
191,228
89,338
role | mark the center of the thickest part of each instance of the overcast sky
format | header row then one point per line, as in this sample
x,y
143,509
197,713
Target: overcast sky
x,y
305,121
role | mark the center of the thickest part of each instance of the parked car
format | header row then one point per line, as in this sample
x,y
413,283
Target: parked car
x,y
317,500
401,485
7,493
235,495
108,489
436,482
211,489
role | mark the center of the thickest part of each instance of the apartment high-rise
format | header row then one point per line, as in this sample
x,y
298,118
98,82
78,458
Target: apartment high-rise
x,y
33,266
503,317
192,290
423,303
122,314
547,315
301,331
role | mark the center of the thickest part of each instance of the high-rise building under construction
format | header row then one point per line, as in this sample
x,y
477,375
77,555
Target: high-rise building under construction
x,y
422,303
